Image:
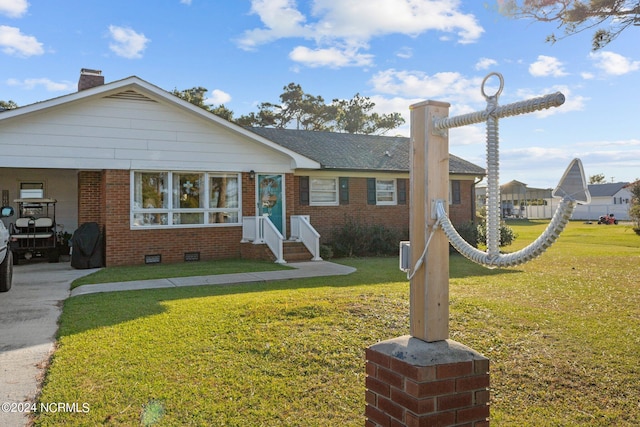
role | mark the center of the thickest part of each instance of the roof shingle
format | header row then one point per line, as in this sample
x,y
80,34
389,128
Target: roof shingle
x,y
348,151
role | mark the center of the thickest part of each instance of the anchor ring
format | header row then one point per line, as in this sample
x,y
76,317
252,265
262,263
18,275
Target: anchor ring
x,y
497,94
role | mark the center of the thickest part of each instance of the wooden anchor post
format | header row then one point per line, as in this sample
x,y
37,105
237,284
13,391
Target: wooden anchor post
x,y
425,378
429,292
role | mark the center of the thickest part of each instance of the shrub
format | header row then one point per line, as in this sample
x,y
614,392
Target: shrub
x,y
350,239
469,232
326,252
507,235
357,239
634,214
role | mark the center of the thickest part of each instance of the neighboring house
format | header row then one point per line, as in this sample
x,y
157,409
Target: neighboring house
x,y
520,201
612,198
168,181
517,200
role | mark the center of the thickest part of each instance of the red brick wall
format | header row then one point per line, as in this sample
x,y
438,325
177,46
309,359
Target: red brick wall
x,y
290,199
104,197
326,219
248,195
90,197
465,211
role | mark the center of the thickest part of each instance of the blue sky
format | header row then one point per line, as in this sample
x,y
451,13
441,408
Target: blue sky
x,y
397,52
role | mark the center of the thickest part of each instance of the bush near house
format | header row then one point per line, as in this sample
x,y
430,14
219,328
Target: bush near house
x,y
476,234
355,238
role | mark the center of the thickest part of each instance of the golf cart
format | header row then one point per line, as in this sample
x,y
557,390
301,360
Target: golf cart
x,y
34,232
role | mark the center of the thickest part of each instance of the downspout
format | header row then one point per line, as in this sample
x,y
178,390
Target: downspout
x,y
473,200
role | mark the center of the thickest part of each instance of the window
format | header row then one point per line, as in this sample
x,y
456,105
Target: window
x,y
187,197
455,197
224,199
385,191
197,198
31,190
323,191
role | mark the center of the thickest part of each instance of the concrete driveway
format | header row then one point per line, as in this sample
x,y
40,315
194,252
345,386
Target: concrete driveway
x,y
29,315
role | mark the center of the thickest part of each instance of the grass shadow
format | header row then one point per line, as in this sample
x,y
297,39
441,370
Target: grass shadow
x,y
107,309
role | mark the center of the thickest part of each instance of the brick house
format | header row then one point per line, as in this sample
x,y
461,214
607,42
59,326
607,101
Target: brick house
x,y
167,180
365,178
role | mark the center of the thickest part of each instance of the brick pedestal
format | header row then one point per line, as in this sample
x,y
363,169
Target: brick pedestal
x,y
414,383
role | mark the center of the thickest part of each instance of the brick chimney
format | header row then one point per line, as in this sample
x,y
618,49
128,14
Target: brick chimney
x,y
90,78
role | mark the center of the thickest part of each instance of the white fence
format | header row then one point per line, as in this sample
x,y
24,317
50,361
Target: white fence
x,y
582,212
592,212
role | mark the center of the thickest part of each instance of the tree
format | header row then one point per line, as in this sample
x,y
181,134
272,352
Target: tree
x,y
597,179
634,209
353,116
304,111
8,105
575,16
195,96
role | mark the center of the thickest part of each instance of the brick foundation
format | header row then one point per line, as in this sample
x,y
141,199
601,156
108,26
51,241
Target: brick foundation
x,y
414,383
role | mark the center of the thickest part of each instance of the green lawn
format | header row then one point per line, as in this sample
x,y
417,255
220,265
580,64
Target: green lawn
x,y
562,334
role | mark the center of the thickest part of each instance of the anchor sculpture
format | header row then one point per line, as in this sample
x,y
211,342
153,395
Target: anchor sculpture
x,y
572,188
428,349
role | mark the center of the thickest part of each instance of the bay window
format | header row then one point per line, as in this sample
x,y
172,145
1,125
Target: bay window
x,y
196,198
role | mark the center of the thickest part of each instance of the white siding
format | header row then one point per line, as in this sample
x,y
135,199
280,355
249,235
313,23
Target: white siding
x,y
109,133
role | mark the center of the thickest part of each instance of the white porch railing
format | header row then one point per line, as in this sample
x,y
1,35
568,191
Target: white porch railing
x,y
260,229
303,231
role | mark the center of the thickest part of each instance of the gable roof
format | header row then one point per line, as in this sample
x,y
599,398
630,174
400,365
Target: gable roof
x,y
135,88
606,190
346,151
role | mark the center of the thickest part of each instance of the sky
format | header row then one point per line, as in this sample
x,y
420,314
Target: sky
x,y
396,52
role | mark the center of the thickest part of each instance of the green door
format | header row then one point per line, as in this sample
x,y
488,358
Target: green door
x,y
270,200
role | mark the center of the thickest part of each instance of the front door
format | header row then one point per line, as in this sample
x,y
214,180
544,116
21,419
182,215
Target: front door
x,y
270,198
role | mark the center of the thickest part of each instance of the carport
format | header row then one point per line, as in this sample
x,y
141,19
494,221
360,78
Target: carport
x,y
59,184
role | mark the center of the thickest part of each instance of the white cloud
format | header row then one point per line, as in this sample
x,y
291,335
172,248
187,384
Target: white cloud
x,y
218,97
534,154
350,24
586,75
547,66
615,143
13,8
281,19
126,42
613,63
187,2
572,102
47,84
13,42
404,53
332,57
485,63
444,86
